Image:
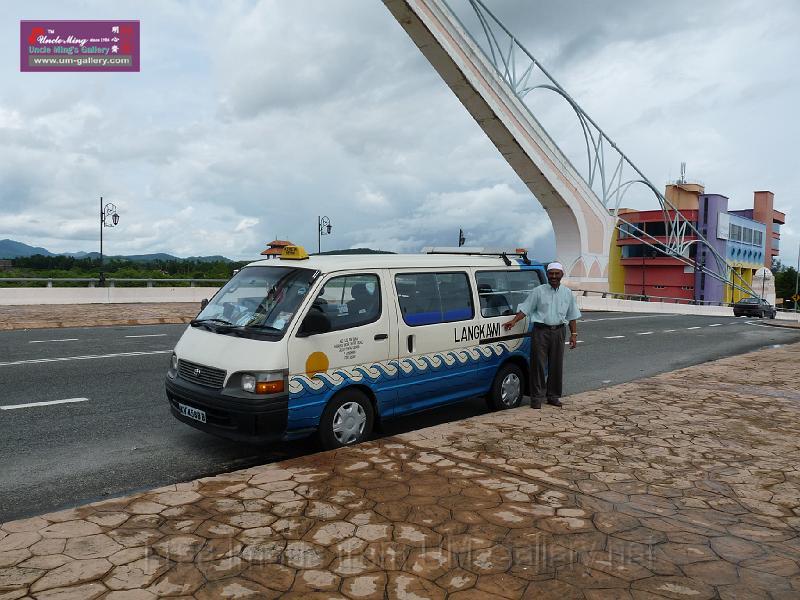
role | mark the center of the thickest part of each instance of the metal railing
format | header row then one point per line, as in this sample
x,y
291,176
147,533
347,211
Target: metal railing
x,y
108,281
666,299
650,298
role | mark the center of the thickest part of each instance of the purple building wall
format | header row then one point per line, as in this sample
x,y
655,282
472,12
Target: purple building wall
x,y
708,288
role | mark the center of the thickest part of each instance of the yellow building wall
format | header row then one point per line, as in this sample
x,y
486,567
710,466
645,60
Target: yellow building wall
x,y
739,275
616,272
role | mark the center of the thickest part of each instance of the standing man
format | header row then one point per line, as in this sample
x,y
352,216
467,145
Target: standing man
x,y
550,306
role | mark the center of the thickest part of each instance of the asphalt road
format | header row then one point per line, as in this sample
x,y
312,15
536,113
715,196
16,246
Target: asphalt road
x,y
116,435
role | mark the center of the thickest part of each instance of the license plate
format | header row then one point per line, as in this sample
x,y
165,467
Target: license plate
x,y
192,413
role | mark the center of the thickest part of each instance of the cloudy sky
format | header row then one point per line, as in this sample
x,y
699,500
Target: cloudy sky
x,y
251,118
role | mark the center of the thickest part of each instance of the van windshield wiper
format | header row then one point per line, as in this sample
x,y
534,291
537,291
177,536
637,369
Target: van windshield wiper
x,y
196,322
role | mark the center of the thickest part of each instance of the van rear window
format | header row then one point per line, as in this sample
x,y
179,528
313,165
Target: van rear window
x,y
501,292
429,298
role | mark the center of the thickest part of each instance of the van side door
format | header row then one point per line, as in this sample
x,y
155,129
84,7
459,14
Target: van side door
x,y
436,359
356,310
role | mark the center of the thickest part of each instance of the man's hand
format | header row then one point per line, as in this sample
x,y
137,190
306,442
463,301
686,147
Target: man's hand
x,y
573,341
509,325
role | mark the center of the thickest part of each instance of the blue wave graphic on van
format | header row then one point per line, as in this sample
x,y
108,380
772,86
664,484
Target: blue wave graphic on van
x,y
414,366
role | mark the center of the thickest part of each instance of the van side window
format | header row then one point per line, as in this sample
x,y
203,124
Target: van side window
x,y
501,292
428,298
350,300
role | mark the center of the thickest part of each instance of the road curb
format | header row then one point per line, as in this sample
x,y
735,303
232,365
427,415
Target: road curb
x,y
782,325
99,323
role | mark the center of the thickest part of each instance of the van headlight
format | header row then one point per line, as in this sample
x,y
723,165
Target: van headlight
x,y
270,382
174,362
249,383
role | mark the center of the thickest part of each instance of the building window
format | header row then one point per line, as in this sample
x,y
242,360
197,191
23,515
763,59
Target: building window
x,y
656,228
747,235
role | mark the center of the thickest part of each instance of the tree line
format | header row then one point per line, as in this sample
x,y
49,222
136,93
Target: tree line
x,y
68,266
785,280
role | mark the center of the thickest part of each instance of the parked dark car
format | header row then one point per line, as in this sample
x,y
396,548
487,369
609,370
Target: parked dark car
x,y
754,307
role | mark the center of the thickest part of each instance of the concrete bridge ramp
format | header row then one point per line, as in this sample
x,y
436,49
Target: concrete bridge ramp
x,y
582,224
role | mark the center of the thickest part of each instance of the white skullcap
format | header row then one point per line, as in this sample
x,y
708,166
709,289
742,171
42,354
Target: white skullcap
x,y
555,266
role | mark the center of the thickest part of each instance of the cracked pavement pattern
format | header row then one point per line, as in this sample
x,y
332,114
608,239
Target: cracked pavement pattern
x,y
684,485
41,316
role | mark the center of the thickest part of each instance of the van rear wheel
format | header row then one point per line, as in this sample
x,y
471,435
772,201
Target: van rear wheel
x,y
347,420
507,388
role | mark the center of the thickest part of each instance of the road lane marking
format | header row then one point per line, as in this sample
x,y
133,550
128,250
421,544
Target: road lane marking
x,y
644,333
48,341
614,337
623,318
692,328
579,341
48,403
89,357
669,330
716,325
147,335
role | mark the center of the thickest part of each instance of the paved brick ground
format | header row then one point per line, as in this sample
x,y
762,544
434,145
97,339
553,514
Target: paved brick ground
x,y
95,315
684,485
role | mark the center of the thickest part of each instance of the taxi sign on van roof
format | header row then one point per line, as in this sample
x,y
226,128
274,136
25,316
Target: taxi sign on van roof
x,y
294,253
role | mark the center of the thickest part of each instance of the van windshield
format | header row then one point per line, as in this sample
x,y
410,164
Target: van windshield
x,y
260,300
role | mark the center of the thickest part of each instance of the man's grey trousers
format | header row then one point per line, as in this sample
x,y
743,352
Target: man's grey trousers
x,y
547,362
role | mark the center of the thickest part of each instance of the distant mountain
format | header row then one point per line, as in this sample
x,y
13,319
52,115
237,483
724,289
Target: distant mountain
x,y
13,249
215,258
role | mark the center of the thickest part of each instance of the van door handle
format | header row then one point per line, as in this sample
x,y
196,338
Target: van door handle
x,y
381,336
411,343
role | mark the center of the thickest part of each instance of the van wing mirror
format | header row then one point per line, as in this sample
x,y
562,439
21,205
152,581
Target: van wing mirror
x,y
315,322
203,303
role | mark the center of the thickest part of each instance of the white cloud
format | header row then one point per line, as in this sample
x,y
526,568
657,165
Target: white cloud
x,y
251,118
245,224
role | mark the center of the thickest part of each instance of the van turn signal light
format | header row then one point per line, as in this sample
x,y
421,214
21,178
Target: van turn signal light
x,y
269,387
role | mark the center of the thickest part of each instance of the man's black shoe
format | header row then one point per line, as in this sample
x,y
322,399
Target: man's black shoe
x,y
554,402
536,404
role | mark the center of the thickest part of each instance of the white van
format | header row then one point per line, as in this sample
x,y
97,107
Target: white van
x,y
334,343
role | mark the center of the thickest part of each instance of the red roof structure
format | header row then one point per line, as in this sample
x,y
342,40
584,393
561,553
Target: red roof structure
x,y
275,247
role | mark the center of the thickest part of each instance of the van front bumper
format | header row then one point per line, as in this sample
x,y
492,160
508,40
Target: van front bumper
x,y
255,421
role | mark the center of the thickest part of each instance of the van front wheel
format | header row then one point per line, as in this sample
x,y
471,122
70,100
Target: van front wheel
x,y
347,420
507,388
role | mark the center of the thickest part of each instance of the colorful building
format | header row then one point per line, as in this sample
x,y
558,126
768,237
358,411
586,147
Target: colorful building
x,y
741,236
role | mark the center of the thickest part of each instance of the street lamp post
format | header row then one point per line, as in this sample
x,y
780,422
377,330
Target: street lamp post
x,y
108,218
796,279
323,228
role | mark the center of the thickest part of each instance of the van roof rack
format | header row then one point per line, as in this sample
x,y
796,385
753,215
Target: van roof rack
x,y
479,251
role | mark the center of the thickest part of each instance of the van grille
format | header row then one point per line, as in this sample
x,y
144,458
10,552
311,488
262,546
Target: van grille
x,y
200,374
